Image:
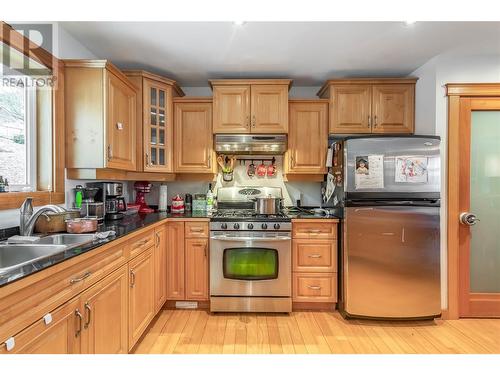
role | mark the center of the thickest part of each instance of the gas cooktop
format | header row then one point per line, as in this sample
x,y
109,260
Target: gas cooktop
x,y
228,215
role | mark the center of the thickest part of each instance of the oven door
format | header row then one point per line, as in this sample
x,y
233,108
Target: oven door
x,y
250,264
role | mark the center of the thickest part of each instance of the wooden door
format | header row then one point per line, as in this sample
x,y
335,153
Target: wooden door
x,y
157,122
478,142
350,111
60,335
105,315
393,108
175,261
307,138
231,106
160,267
269,108
121,124
141,295
193,138
196,268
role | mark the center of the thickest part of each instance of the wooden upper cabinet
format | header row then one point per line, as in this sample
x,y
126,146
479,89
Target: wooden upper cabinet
x,y
231,109
307,137
105,315
121,124
250,106
366,105
193,136
269,104
100,115
155,120
393,108
351,109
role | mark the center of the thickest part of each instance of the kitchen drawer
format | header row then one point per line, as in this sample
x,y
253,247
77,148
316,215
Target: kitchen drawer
x,y
314,229
196,229
141,242
311,255
314,287
21,308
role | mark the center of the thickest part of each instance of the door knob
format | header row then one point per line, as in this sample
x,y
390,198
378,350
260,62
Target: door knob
x,y
468,219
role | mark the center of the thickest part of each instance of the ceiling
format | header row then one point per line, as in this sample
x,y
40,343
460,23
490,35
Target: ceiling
x,y
307,52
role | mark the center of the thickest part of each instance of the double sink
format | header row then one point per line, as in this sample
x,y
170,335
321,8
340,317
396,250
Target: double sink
x,y
17,255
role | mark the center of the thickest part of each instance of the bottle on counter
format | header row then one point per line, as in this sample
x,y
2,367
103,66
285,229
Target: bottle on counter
x,y
2,185
6,187
188,202
210,199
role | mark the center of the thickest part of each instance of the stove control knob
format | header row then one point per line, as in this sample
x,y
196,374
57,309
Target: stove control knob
x,y
276,226
250,226
223,226
264,226
236,226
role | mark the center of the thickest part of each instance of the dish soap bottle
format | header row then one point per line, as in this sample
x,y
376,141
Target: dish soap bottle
x,y
210,199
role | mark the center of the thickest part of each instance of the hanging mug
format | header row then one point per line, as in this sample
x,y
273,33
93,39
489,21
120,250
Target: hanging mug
x,y
261,170
271,170
251,169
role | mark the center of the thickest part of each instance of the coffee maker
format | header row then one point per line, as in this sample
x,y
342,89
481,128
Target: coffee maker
x,y
111,194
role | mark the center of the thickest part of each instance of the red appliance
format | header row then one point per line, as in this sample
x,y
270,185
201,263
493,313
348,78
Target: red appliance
x,y
141,188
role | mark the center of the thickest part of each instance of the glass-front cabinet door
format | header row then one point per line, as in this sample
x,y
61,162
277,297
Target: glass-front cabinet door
x,y
157,135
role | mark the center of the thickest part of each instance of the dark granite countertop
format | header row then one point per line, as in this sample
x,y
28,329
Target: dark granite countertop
x,y
123,227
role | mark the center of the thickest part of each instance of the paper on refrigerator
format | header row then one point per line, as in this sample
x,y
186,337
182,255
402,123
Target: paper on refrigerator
x,y
369,172
411,169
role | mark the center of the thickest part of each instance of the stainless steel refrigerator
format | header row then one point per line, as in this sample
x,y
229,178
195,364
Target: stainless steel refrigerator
x,y
391,232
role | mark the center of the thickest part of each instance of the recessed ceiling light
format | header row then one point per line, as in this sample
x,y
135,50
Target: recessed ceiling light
x,y
239,23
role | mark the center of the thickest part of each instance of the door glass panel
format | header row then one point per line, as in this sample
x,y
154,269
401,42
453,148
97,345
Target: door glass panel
x,y
485,202
153,156
162,98
153,96
162,137
250,263
153,116
162,117
162,156
153,136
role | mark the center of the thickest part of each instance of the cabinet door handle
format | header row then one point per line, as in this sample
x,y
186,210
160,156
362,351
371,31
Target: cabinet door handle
x,y
205,250
81,278
132,278
314,255
209,159
157,239
292,160
253,121
375,122
369,121
88,313
110,153
80,321
147,159
248,122
314,287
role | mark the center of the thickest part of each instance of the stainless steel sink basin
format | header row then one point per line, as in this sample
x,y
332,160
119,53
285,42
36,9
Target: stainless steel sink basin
x,y
66,239
19,254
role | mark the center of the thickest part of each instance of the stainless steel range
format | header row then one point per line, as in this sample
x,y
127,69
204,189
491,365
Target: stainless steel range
x,y
250,255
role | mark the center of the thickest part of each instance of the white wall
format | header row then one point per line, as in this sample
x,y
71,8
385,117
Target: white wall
x,y
477,64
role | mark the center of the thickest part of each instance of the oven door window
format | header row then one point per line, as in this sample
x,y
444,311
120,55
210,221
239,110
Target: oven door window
x,y
250,263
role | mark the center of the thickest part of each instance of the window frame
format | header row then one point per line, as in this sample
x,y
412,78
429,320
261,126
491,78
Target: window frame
x,y
56,193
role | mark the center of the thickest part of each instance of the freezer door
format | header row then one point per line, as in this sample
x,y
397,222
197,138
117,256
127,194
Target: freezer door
x,y
417,148
391,262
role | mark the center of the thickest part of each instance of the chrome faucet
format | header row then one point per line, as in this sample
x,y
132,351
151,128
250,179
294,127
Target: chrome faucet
x,y
28,219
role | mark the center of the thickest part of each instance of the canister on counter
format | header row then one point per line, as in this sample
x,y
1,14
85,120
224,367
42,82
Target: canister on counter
x,y
188,202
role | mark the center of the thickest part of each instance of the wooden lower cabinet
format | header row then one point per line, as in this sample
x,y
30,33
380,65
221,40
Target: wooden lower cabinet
x,y
160,256
196,268
141,295
314,287
105,315
175,260
312,255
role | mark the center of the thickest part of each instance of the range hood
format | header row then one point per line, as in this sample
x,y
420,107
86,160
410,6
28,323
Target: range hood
x,y
251,144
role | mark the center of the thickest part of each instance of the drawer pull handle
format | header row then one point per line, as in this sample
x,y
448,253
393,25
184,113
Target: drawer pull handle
x,y
314,287
80,320
89,310
81,278
315,231
196,230
132,278
143,242
314,255
10,343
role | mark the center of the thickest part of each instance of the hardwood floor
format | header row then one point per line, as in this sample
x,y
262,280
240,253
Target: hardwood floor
x,y
196,331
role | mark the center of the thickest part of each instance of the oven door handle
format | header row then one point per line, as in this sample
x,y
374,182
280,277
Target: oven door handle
x,y
236,238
